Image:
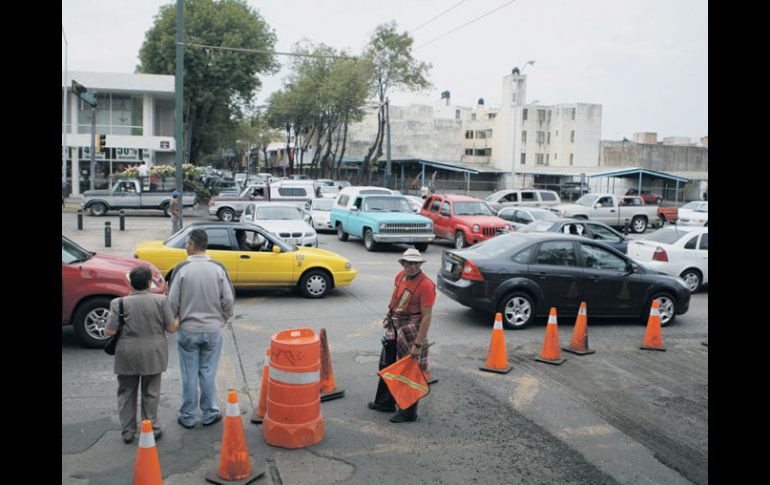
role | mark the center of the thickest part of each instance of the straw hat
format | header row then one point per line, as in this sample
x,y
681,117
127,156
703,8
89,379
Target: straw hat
x,y
412,255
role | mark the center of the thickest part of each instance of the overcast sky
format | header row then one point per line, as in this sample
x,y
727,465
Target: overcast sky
x,y
645,62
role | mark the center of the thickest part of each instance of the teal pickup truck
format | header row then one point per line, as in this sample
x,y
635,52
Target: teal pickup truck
x,y
378,216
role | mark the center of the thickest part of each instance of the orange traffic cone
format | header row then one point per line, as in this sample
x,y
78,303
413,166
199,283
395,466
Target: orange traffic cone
x,y
550,353
147,469
235,464
653,340
497,357
328,386
259,413
579,343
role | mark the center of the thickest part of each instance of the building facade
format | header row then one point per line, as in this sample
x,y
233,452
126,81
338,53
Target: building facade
x,y
134,111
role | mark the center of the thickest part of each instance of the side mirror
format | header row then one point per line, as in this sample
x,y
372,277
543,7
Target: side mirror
x,y
307,219
276,249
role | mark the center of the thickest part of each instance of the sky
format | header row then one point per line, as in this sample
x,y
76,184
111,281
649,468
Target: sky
x,y
645,62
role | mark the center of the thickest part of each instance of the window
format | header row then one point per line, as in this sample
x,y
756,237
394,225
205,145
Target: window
x,y
571,158
506,215
512,197
469,151
473,116
523,158
435,206
522,217
492,116
528,196
572,136
525,256
446,209
539,159
343,201
573,113
481,134
704,242
524,136
692,243
549,138
541,137
524,114
556,253
469,134
219,239
595,257
457,114
601,233
426,204
547,158
547,196
541,115
292,192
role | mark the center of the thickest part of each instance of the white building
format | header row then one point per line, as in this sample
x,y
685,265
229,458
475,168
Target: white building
x,y
134,111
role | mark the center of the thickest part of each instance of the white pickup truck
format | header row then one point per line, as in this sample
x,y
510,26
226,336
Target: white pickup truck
x,y
131,194
612,210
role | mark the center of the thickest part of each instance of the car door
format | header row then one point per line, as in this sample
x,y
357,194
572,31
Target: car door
x,y
445,220
220,248
555,270
610,289
607,213
126,195
260,266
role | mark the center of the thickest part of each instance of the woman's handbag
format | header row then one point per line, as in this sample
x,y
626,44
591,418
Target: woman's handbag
x,y
112,343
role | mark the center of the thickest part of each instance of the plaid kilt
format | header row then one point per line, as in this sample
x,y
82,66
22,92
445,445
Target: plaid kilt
x,y
406,333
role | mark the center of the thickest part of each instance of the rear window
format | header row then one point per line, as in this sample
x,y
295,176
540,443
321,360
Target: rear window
x,y
528,196
501,245
667,236
549,196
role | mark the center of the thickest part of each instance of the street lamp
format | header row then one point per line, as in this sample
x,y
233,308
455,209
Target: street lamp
x,y
525,65
64,108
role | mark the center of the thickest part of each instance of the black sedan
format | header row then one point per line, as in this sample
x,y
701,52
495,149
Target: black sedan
x,y
523,275
581,227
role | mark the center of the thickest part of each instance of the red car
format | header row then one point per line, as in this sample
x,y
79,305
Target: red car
x,y
648,197
90,281
464,220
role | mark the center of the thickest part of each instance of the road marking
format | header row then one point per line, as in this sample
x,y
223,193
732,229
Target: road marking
x,y
251,327
597,430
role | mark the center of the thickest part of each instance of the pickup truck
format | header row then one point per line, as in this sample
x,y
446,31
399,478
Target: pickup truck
x,y
227,208
130,194
612,210
377,216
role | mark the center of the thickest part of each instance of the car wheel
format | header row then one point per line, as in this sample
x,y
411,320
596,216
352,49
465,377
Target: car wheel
x,y
658,201
341,235
518,310
667,309
369,243
639,224
98,209
460,241
692,278
89,322
166,210
226,215
422,247
315,283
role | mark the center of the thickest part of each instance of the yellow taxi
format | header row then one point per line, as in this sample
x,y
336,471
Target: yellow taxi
x,y
255,257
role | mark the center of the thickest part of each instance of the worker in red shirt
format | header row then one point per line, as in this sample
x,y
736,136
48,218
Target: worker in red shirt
x,y
407,324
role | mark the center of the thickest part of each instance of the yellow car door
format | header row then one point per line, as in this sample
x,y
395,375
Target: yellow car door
x,y
261,266
220,248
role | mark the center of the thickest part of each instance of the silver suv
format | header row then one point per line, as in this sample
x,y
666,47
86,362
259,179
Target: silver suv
x,y
522,198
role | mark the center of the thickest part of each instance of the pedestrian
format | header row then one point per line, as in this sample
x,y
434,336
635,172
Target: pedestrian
x,y
174,209
202,297
141,355
407,324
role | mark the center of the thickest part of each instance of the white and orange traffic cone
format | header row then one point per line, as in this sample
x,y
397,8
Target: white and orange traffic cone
x,y
497,357
259,413
147,468
653,339
550,353
579,343
235,464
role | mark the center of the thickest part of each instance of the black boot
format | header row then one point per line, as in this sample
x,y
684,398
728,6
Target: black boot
x,y
405,415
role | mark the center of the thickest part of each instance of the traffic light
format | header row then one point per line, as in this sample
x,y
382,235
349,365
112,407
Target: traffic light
x,y
101,141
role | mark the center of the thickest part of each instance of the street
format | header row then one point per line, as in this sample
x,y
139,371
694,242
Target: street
x,y
621,415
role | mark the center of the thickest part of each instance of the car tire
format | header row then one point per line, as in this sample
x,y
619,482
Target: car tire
x,y
422,247
692,278
226,215
98,209
460,241
369,243
667,309
315,283
658,201
638,224
518,309
341,234
89,321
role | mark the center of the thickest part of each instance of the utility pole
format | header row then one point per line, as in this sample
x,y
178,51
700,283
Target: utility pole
x,y
89,97
179,113
387,148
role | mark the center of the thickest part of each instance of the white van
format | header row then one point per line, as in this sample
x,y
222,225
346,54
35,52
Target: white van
x,y
298,192
522,198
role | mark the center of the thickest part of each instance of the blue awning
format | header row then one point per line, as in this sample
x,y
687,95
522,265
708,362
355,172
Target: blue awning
x,y
636,171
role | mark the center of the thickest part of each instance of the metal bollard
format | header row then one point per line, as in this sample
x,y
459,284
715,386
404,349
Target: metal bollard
x,y
107,235
625,228
80,219
122,220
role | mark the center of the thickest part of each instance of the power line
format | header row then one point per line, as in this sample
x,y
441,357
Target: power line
x,y
268,51
464,25
437,16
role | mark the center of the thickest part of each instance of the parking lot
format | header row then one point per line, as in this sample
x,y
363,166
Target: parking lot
x,y
621,415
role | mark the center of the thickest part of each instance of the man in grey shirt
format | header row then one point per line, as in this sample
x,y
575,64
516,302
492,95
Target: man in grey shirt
x,y
202,296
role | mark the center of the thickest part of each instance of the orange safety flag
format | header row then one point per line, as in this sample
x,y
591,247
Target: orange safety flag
x,y
405,381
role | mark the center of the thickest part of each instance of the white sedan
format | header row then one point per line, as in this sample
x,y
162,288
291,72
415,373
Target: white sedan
x,y
695,213
285,221
678,251
320,214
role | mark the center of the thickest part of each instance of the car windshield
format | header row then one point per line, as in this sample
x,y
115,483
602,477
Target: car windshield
x,y
322,204
386,204
72,253
503,244
472,209
666,235
587,200
496,196
278,213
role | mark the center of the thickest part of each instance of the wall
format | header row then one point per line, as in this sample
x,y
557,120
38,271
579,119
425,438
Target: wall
x,y
661,158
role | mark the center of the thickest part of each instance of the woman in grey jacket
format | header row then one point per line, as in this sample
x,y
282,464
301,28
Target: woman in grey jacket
x,y
142,352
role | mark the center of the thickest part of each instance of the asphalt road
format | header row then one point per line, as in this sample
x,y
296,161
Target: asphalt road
x,y
621,415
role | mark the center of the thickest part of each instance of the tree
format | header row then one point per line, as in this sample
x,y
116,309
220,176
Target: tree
x,y
392,66
219,85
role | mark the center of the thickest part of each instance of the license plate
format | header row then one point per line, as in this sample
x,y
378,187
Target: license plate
x,y
448,267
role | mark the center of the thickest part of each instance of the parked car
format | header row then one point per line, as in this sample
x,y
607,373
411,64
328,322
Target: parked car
x,y
647,196
611,210
320,214
589,229
270,262
678,251
284,220
131,194
523,275
227,208
522,198
462,219
90,281
668,214
695,213
519,217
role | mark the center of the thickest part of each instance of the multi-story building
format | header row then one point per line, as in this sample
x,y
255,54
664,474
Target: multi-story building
x,y
134,111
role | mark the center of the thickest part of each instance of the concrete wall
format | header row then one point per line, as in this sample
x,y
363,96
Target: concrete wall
x,y
661,158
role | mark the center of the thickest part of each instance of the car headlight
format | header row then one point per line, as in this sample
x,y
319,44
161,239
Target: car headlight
x,y
348,265
310,234
429,226
476,228
383,226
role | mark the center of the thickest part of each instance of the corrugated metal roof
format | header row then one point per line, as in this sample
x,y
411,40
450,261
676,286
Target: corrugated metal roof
x,y
635,171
